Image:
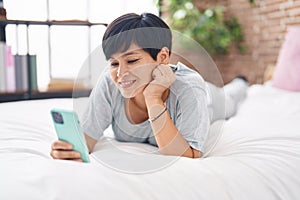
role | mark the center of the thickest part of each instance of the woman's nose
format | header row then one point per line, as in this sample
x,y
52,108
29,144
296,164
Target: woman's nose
x,y
122,70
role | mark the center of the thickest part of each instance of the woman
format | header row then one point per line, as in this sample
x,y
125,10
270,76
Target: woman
x,y
146,99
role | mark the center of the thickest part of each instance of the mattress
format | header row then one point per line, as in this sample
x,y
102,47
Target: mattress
x,y
253,155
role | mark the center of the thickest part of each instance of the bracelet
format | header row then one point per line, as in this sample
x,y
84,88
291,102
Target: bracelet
x,y
160,114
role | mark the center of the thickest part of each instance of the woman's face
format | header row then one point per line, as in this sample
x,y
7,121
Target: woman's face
x,y
131,71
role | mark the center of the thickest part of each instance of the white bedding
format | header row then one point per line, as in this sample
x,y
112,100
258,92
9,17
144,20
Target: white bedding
x,y
257,156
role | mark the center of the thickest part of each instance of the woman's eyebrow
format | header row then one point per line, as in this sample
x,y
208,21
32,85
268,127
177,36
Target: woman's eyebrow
x,y
125,54
129,53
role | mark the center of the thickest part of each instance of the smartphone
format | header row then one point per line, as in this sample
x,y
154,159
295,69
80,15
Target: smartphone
x,y
68,129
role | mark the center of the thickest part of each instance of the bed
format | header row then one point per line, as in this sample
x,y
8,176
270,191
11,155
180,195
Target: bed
x,y
255,156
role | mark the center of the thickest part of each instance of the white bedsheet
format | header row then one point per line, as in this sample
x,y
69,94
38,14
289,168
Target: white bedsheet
x,y
257,156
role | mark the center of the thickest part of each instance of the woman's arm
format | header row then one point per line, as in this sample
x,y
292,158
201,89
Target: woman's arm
x,y
170,141
90,142
168,138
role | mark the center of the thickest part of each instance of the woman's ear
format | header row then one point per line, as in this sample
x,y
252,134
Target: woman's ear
x,y
163,56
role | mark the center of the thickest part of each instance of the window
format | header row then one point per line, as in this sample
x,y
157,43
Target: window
x,y
61,50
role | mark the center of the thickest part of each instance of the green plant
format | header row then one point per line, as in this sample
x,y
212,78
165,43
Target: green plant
x,y
208,27
251,2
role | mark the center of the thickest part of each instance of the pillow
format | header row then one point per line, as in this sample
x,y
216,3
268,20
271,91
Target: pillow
x,y
287,70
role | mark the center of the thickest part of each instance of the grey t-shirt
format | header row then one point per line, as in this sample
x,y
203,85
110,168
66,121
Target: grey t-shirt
x,y
186,105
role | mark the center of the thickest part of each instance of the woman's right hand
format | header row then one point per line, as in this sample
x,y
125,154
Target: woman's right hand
x,y
64,151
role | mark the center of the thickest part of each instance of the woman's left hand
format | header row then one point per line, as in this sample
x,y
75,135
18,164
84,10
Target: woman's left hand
x,y
163,77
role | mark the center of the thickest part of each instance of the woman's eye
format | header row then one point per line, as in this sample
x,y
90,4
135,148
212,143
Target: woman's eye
x,y
132,61
114,64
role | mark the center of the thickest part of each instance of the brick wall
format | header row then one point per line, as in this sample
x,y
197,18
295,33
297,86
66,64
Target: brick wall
x,y
264,26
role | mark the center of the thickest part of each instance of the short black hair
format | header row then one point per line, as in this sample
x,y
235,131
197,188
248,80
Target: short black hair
x,y
147,31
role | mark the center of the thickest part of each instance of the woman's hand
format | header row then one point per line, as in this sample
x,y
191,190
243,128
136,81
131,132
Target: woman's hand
x,y
63,150
163,77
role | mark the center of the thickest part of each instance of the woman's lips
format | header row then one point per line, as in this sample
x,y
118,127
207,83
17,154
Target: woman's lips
x,y
126,84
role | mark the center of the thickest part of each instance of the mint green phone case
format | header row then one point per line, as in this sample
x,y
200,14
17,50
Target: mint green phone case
x,y
68,129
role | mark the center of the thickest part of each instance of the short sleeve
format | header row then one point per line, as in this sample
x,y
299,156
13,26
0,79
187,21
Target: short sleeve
x,y
192,119
98,115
